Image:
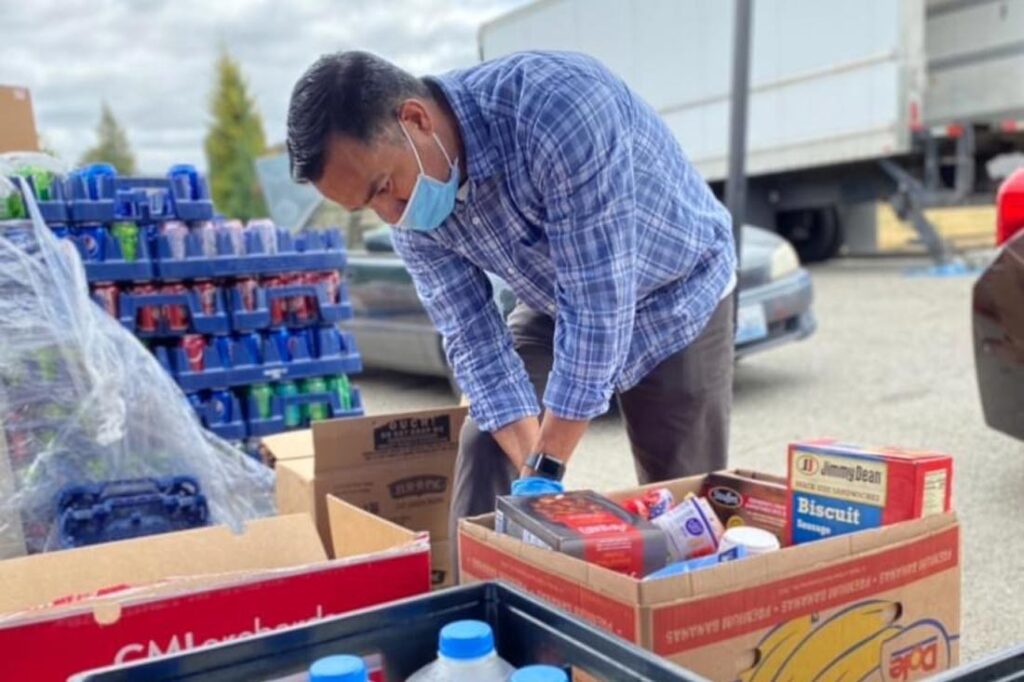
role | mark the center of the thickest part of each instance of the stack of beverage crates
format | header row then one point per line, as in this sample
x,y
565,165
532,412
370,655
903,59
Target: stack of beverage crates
x,y
244,317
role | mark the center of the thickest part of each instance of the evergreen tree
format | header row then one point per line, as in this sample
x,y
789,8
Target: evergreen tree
x,y
111,145
234,141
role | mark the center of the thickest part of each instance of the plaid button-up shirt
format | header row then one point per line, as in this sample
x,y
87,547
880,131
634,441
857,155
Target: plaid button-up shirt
x,y
580,198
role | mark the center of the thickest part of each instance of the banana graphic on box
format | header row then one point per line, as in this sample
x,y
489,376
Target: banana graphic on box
x,y
854,645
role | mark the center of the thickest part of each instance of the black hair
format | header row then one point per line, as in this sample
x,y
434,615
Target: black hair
x,y
347,93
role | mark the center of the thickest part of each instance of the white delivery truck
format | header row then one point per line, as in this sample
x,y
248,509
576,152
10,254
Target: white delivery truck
x,y
850,101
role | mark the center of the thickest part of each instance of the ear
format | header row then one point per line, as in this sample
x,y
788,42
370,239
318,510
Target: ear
x,y
414,116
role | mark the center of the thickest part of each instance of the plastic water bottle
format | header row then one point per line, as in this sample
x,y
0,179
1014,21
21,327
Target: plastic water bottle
x,y
339,669
539,673
465,654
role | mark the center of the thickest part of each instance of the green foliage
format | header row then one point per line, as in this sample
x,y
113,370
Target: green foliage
x,y
233,143
111,145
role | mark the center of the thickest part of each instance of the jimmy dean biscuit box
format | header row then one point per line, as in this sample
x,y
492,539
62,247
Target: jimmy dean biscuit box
x,y
748,498
587,526
837,488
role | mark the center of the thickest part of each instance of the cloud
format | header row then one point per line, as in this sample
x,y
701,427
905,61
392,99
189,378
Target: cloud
x,y
153,60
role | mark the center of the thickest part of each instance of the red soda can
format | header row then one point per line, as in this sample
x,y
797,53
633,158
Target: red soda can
x,y
207,293
194,345
176,314
278,306
106,293
246,287
332,283
301,308
148,315
651,504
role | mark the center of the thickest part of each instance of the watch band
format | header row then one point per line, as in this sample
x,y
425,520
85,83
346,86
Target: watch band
x,y
546,466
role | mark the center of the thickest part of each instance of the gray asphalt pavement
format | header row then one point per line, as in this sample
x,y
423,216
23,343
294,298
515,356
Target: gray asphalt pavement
x,y
891,363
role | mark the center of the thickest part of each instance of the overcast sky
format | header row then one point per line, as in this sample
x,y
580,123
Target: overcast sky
x,y
152,60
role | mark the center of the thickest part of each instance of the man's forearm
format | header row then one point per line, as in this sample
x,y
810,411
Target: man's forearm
x,y
559,437
518,439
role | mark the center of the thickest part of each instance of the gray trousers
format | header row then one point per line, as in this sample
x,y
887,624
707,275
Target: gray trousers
x,y
677,417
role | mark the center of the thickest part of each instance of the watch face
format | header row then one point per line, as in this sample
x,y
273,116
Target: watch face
x,y
547,466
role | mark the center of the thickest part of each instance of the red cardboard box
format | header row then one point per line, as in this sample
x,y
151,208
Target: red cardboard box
x,y
64,612
879,604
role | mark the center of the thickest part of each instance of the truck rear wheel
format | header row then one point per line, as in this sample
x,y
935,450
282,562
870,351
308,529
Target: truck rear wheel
x,y
815,233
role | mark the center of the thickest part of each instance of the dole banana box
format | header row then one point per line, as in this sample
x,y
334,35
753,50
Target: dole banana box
x,y
837,488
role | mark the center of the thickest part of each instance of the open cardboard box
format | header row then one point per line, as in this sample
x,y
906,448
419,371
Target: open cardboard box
x,y
397,466
879,604
68,611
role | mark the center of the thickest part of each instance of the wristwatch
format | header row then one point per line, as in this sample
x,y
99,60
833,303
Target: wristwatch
x,y
546,466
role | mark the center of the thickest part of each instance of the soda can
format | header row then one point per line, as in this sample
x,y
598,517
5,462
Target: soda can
x,y
262,396
106,295
301,344
93,239
252,343
340,385
194,346
267,232
282,340
246,288
236,235
651,504
279,305
176,314
148,316
292,412
223,346
206,235
221,407
60,230
301,308
207,294
195,400
331,282
316,411
176,234
127,235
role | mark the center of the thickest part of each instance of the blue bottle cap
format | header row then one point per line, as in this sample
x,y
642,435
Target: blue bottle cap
x,y
338,669
466,639
539,673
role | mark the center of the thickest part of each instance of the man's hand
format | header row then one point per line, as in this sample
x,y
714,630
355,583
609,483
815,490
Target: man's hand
x,y
558,437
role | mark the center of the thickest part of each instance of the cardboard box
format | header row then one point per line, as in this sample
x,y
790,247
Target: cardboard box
x,y
17,122
885,600
442,572
748,498
839,488
396,466
64,612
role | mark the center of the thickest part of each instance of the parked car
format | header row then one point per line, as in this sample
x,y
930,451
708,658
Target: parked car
x,y
393,331
998,317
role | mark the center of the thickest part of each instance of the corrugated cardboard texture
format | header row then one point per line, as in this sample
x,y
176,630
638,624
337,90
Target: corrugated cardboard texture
x,y
277,542
289,445
355,532
397,466
441,574
17,122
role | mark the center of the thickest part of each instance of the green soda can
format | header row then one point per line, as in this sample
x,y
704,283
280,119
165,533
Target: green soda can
x,y
11,205
316,411
292,412
42,179
263,395
127,235
46,360
339,384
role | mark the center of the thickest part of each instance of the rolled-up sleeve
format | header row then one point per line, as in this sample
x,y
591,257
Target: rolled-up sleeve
x,y
580,155
458,298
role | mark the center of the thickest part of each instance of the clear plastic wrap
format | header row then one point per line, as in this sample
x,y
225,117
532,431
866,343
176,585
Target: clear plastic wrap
x,y
82,402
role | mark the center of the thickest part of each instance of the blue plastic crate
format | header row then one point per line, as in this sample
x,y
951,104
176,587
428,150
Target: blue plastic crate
x,y
91,194
221,413
198,322
326,312
118,510
103,259
96,194
54,209
259,428
308,251
257,358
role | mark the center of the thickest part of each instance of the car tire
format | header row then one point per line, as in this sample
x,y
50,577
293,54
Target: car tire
x,y
816,234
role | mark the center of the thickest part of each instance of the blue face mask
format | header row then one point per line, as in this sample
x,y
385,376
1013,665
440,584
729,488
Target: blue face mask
x,y
431,200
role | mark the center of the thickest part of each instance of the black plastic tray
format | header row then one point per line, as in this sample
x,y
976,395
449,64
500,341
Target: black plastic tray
x,y
1001,667
527,631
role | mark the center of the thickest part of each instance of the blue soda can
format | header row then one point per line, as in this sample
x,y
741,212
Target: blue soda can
x,y
223,346
92,237
196,402
282,341
252,344
221,407
60,230
302,344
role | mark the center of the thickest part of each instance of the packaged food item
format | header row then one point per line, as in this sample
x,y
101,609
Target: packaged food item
x,y
838,488
747,498
690,565
587,526
753,541
692,528
651,504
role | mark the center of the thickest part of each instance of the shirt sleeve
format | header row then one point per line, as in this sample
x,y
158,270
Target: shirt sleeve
x,y
582,159
458,298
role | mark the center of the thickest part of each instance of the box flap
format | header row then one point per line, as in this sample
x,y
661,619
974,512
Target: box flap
x,y
350,443
275,542
290,445
17,121
355,532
